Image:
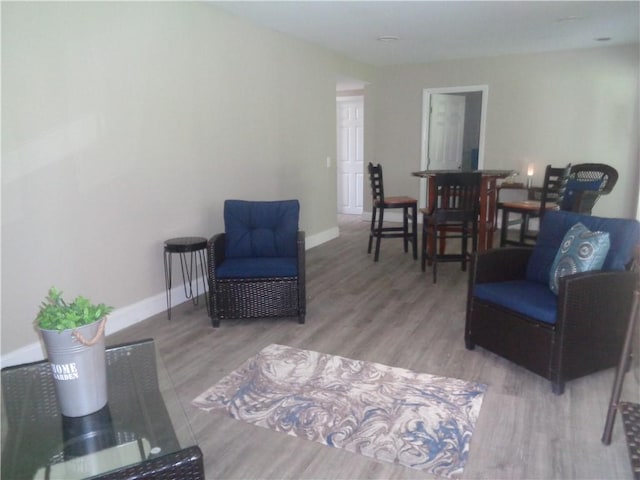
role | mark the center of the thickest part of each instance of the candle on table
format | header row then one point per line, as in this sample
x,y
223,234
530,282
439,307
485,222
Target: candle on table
x,y
529,175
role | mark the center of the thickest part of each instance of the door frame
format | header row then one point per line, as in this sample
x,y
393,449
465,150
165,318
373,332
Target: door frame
x,y
426,102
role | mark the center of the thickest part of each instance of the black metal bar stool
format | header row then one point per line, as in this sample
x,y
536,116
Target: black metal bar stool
x,y
195,247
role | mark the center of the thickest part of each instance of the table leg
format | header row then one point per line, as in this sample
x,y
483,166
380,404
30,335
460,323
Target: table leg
x,y
431,201
187,273
187,267
203,264
167,280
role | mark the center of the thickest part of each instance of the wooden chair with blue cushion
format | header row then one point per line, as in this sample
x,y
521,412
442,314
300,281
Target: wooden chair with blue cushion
x,y
256,268
513,311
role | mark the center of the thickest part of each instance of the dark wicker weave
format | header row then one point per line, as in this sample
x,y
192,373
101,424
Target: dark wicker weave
x,y
255,297
593,311
186,464
631,420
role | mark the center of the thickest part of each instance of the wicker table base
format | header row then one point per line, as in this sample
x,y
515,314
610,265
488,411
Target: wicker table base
x,y
630,413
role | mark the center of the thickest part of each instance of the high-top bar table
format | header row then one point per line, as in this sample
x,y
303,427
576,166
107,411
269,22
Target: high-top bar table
x,y
487,223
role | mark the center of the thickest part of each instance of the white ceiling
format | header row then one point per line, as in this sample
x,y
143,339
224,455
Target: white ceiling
x,y
442,30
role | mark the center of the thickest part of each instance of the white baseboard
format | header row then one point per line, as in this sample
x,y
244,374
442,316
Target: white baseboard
x,y
119,319
29,353
322,237
124,317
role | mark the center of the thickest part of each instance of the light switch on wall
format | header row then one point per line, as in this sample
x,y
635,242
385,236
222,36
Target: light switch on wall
x,y
328,162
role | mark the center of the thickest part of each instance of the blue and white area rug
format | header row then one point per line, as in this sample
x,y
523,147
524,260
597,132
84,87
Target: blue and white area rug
x,y
394,415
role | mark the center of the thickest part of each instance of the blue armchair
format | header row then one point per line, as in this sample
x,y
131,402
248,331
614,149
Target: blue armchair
x,y
257,267
513,312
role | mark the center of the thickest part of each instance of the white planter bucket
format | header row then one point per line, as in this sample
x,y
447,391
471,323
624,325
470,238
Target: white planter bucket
x,y
77,360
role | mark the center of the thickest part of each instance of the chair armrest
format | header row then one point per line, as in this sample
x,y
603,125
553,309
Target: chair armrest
x,y
301,256
302,282
215,253
499,265
599,299
593,311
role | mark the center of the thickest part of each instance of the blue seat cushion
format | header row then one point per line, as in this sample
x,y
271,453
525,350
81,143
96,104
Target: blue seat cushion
x,y
575,186
624,234
532,299
261,229
264,267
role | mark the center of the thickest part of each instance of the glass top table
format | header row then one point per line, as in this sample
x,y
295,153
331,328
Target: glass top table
x,y
142,429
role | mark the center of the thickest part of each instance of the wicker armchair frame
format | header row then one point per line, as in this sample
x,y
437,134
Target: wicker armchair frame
x,y
592,314
254,297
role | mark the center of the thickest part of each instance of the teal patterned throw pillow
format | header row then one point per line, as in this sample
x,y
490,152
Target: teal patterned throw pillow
x,y
581,250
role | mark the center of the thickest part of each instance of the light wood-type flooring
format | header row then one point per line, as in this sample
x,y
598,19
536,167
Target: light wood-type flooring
x,y
387,312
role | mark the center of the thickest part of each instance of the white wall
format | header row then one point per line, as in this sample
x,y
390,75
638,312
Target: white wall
x,y
553,108
124,124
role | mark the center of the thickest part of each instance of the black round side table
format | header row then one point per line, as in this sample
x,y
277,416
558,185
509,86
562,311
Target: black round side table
x,y
196,247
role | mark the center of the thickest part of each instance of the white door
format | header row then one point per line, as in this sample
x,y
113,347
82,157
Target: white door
x,y
350,163
446,132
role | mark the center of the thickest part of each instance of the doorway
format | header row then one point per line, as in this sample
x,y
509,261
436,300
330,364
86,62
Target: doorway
x,y
453,130
350,155
446,131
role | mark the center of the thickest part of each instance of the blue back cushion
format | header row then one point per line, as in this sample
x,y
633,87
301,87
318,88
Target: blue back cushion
x,y
261,229
624,234
575,186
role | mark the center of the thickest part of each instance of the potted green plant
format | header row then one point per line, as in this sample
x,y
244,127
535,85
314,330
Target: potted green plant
x,y
73,335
